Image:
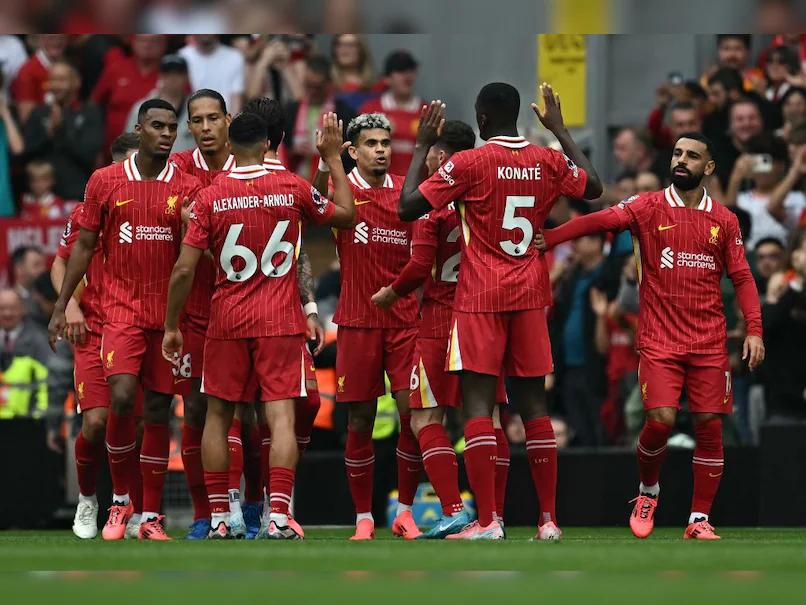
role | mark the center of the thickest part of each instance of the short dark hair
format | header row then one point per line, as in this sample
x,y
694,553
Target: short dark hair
x,y
319,65
153,104
456,136
123,144
695,89
769,144
500,101
746,39
20,252
698,136
746,100
273,114
744,220
788,57
793,90
207,93
247,129
43,285
729,78
769,240
683,106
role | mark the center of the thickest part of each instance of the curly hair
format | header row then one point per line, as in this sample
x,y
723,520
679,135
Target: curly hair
x,y
367,121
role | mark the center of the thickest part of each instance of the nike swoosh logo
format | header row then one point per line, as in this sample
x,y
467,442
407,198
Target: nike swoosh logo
x,y
354,476
361,203
123,203
714,476
118,461
158,472
666,227
178,380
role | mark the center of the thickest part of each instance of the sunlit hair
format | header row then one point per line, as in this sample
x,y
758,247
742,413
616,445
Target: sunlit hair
x,y
367,121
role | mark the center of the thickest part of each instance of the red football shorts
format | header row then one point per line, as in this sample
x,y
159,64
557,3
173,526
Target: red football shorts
x,y
515,343
133,350
362,356
431,386
92,391
310,370
192,361
706,376
274,364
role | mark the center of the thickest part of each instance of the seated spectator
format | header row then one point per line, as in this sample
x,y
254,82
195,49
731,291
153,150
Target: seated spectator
x,y
39,201
782,63
125,80
275,66
764,165
768,259
784,314
31,84
11,144
733,51
401,106
744,122
353,77
216,66
66,132
173,86
724,89
24,355
304,117
793,110
27,263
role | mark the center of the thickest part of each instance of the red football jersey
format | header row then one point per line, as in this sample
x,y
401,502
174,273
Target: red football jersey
x,y
371,255
252,220
404,119
141,227
93,279
197,307
681,254
505,190
439,229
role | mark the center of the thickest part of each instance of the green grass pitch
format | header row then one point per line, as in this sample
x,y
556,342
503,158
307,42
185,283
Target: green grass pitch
x,y
591,565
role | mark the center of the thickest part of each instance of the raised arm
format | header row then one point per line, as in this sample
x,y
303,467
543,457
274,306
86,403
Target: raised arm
x,y
329,144
610,219
412,202
552,119
775,205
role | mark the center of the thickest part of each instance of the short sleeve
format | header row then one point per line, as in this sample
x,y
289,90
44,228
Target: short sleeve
x,y
569,178
70,235
94,208
634,209
315,207
198,231
450,182
425,230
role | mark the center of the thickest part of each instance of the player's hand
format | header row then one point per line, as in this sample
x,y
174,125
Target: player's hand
x,y
432,120
172,343
385,297
76,330
540,241
316,331
598,302
754,349
55,442
551,117
329,142
56,326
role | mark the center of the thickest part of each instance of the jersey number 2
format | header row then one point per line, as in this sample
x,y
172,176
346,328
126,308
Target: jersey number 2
x,y
232,249
450,268
512,222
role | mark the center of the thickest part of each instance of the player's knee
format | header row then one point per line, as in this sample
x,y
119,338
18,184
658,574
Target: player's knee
x,y
195,411
157,409
666,415
422,418
122,400
361,422
93,427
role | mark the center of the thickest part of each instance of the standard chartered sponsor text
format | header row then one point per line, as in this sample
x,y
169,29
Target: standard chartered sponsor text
x,y
696,261
390,236
154,233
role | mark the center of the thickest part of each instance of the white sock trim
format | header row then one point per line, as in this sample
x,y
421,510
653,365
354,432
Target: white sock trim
x,y
694,516
362,516
149,516
403,508
650,490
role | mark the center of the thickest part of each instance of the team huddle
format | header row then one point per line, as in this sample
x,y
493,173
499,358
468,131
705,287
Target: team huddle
x,y
185,274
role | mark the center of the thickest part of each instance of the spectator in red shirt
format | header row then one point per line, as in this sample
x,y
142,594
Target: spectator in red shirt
x,y
125,81
40,201
401,106
31,83
353,77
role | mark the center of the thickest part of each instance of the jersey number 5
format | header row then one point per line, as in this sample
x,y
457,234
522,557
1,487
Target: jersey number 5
x,y
232,249
512,222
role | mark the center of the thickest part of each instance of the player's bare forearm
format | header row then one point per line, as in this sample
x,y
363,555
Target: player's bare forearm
x,y
77,265
609,219
57,271
412,203
344,216
180,284
593,185
305,278
320,182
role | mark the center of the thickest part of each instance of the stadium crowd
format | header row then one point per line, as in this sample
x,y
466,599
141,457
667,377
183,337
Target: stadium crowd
x,y
65,99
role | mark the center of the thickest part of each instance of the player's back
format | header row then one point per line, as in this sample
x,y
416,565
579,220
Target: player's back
x,y
255,231
509,188
682,255
372,254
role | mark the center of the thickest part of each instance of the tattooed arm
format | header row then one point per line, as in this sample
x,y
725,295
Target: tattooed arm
x,y
306,296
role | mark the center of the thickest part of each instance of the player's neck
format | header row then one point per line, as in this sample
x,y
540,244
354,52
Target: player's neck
x,y
246,159
373,179
691,198
270,155
149,166
217,160
504,131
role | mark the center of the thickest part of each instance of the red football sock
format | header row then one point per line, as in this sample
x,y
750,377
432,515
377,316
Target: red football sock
x,y
440,464
88,458
253,478
480,454
215,483
707,464
235,454
136,480
194,471
265,451
541,450
359,459
154,463
121,441
282,484
652,450
306,410
501,471
409,462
